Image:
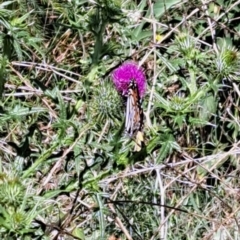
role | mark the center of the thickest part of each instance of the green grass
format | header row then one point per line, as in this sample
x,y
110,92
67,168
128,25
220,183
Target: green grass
x,y
66,169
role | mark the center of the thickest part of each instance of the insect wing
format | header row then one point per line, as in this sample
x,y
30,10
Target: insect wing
x,y
130,112
134,113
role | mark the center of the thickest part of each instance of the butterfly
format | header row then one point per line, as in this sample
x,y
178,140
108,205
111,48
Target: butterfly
x,y
134,115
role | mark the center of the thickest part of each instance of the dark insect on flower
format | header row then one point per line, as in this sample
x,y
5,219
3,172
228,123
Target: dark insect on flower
x,y
134,111
130,81
134,116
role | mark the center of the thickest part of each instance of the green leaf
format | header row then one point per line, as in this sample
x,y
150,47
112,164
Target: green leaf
x,y
92,75
208,108
142,5
167,148
214,162
62,106
19,112
161,6
139,35
45,155
19,20
122,159
162,102
79,232
6,3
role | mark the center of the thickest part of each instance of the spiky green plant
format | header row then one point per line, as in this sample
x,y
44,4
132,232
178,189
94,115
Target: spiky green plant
x,y
106,104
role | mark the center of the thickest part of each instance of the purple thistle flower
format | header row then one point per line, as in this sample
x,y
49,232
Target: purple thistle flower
x,y
123,75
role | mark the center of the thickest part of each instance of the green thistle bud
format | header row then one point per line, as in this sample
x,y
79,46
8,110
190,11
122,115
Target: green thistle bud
x,y
227,61
107,104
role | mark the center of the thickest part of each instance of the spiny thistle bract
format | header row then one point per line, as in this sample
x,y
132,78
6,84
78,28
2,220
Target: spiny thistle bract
x,y
187,46
228,61
106,104
178,103
11,191
18,207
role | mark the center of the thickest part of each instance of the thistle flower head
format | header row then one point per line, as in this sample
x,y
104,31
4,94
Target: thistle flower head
x,y
123,75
